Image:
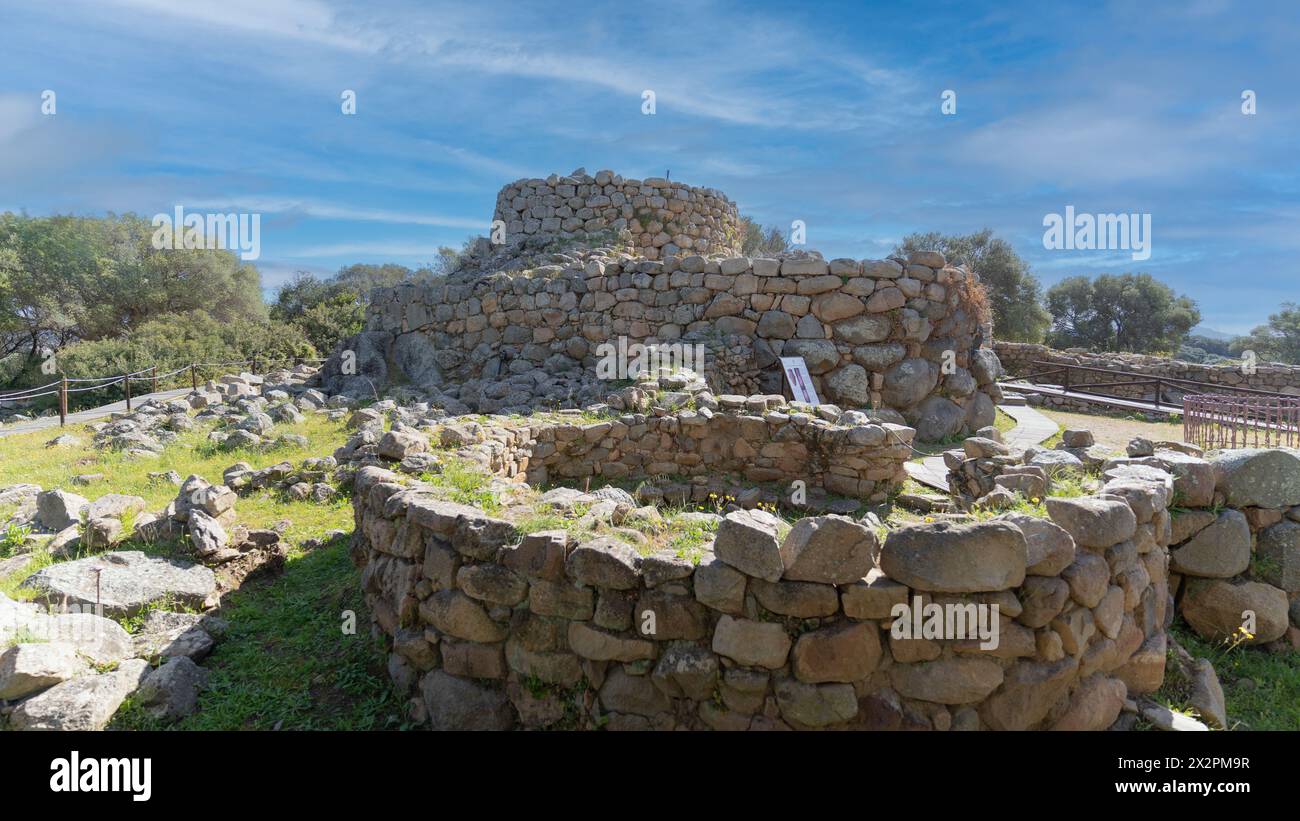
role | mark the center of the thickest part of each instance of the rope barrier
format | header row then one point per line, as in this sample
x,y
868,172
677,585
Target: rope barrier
x,y
93,379
173,373
23,393
96,383
94,387
37,396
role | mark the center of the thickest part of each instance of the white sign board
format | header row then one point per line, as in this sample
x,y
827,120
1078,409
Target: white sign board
x,y
800,381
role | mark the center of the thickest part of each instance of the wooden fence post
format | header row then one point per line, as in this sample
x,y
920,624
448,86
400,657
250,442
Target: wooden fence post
x,y
126,380
63,402
194,376
155,378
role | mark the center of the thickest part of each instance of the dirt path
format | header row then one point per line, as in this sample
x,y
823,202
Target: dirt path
x,y
1115,432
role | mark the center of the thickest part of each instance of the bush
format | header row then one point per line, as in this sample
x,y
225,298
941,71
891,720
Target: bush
x,y
171,342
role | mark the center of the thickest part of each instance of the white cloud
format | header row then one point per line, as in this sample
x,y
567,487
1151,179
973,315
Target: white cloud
x,y
718,83
18,112
332,211
378,248
306,20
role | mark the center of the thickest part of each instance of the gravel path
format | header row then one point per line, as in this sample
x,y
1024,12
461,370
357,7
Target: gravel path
x,y
1115,432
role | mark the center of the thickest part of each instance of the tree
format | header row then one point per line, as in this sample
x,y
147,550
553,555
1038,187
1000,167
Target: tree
x,y
1211,346
71,278
1278,341
171,342
331,310
758,241
361,277
1015,295
1126,312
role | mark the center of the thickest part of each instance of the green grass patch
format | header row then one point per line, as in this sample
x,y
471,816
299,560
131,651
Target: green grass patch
x,y
286,662
1261,689
1003,421
687,538
466,483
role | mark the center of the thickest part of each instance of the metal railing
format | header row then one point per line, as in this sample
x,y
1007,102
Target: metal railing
x,y
1221,421
63,387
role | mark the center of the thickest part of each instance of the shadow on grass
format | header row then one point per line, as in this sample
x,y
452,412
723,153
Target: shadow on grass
x,y
286,662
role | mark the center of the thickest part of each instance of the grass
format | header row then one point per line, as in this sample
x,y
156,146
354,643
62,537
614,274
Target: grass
x,y
920,449
689,537
24,635
24,458
1261,689
1003,421
9,585
465,483
915,488
12,538
286,662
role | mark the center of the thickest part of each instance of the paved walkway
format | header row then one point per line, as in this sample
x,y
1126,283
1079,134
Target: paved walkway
x,y
81,417
1031,428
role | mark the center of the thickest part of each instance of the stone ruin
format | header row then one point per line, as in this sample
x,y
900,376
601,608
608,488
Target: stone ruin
x,y
663,218
770,627
767,625
524,324
496,624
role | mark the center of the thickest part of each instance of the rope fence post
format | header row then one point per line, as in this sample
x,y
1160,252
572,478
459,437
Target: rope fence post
x,y
63,401
154,370
126,380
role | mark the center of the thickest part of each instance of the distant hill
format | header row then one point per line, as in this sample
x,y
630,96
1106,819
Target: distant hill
x,y
1210,333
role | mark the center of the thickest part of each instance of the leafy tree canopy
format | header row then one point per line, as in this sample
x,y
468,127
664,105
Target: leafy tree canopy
x,y
1014,294
66,278
1124,312
1277,341
758,241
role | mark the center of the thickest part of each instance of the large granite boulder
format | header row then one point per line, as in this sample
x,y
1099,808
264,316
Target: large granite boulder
x,y
124,582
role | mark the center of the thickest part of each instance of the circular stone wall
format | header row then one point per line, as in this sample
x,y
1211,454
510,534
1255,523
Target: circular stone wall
x,y
664,217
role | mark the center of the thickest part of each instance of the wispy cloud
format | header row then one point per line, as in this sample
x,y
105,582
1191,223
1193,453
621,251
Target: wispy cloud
x,y
334,211
827,113
395,249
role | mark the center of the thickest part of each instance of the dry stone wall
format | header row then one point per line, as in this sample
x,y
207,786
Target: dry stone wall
x,y
1235,540
743,438
902,335
491,628
684,437
1017,360
664,218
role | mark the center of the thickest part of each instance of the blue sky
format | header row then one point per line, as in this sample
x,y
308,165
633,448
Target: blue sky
x,y
823,112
